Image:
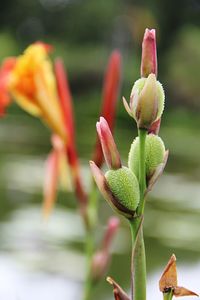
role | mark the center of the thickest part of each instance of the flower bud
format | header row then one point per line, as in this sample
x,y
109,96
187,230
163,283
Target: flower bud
x,y
108,145
124,186
149,53
147,101
111,188
102,257
154,155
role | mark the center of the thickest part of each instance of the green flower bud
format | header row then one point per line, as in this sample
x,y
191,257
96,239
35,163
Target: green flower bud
x,y
124,186
154,154
147,101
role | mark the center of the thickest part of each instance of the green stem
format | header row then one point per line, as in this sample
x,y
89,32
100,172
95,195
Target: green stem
x,y
138,261
89,254
89,245
142,170
168,295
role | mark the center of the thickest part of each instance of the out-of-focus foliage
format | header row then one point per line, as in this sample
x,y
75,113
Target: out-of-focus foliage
x,y
183,67
84,32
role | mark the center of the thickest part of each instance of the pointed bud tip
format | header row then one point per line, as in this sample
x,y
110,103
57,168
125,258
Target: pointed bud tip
x,y
150,33
92,163
98,128
173,257
116,55
103,121
109,280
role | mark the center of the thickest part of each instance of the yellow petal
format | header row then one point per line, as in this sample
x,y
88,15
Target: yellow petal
x,y
64,172
26,104
49,105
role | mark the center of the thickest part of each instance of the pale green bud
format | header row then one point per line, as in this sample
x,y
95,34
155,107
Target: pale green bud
x,y
154,154
124,186
147,101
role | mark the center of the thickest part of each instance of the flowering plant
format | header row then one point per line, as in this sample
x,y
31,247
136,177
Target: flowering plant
x,y
126,188
41,88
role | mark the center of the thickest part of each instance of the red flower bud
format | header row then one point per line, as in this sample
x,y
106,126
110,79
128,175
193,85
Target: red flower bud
x,y
102,257
109,148
149,53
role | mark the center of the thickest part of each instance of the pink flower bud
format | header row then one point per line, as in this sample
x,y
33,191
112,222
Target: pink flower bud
x,y
109,148
102,257
149,53
112,227
100,263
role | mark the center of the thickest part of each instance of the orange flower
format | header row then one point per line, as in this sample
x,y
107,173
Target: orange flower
x,y
32,84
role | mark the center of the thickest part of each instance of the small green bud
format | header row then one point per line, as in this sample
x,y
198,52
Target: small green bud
x,y
124,186
154,154
147,101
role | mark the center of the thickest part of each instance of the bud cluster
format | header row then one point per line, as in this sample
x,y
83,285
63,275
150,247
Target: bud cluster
x,y
120,185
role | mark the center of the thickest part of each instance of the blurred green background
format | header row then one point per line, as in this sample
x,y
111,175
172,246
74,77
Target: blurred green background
x,y
45,260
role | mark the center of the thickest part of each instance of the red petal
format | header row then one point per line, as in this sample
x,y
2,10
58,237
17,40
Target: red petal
x,y
5,70
67,108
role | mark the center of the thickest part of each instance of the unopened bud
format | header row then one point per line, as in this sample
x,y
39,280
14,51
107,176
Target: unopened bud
x,y
147,101
112,191
154,155
109,147
149,53
124,186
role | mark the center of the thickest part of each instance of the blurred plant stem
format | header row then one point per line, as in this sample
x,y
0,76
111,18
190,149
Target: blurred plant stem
x,y
89,245
138,258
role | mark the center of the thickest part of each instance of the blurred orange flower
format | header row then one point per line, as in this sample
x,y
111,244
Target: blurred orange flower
x,y
31,82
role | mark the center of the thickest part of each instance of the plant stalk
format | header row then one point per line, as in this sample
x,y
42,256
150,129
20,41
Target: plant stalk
x,y
138,258
89,245
89,254
138,261
168,295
